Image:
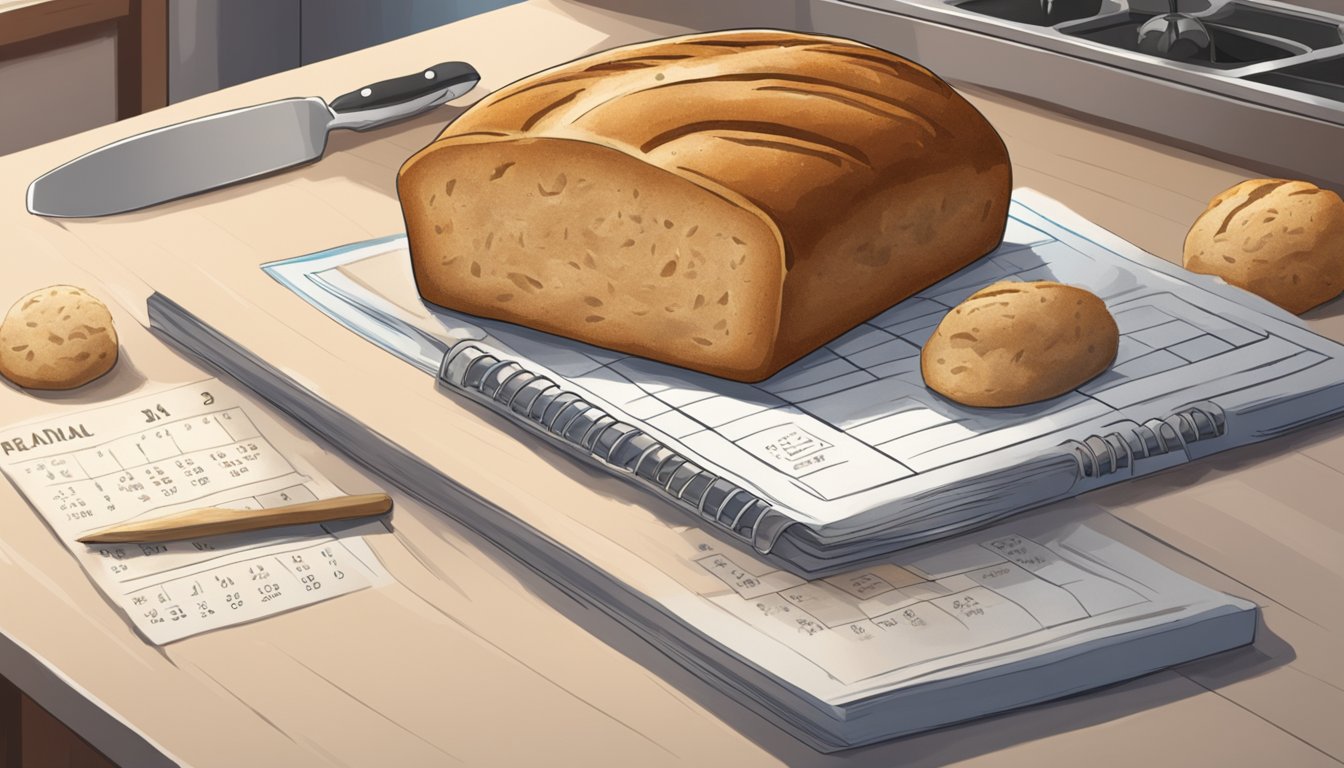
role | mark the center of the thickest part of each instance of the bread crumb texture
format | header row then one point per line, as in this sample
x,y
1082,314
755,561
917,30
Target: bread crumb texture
x,y
1279,239
1014,343
59,337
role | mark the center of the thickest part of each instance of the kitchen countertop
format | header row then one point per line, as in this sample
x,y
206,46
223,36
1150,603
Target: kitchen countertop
x,y
491,664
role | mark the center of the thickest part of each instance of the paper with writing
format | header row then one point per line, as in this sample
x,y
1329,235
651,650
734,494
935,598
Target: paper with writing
x,y
1021,589
181,448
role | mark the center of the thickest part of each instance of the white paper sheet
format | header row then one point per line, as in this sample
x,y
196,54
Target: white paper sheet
x,y
1014,591
185,447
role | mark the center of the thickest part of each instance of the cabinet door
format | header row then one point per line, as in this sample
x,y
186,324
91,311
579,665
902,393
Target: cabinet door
x,y
56,91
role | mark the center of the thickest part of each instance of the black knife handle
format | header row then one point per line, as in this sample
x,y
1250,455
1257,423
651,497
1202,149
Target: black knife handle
x,y
400,90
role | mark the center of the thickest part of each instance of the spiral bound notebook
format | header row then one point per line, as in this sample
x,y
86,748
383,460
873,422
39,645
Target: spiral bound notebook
x,y
845,454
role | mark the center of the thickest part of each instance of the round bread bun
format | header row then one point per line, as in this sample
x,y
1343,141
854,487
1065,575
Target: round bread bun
x,y
58,337
1015,343
1281,240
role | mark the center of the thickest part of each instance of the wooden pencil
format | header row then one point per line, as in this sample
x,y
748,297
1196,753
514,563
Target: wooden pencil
x,y
214,521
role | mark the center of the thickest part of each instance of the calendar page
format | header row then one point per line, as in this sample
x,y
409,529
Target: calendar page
x,y
186,447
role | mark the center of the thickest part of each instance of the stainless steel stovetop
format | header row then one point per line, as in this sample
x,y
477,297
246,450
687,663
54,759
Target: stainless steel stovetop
x,y
1269,91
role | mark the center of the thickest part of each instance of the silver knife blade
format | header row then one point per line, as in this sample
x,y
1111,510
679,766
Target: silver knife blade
x,y
184,159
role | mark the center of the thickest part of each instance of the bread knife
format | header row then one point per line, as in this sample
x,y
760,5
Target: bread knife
x,y
217,150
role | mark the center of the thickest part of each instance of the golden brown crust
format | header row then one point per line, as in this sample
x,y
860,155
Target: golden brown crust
x,y
1282,240
1016,343
58,337
877,178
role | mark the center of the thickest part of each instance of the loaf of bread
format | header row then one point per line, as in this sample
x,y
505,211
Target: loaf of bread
x,y
1282,240
725,202
1015,343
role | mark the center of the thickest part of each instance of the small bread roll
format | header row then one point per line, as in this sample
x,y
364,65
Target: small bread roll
x,y
1282,240
59,337
1017,343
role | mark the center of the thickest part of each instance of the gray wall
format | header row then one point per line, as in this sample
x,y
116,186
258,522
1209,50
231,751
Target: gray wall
x,y
334,27
213,44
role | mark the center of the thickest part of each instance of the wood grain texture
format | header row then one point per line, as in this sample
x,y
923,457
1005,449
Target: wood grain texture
x,y
474,658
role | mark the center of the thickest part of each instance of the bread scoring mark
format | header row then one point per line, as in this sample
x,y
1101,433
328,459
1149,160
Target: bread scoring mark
x,y
1258,193
501,169
544,82
749,42
756,126
789,77
822,153
619,66
660,57
548,109
1312,191
897,109
930,81
638,62
999,292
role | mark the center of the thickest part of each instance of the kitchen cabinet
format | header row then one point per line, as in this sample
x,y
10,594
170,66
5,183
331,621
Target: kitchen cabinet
x,y
71,65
